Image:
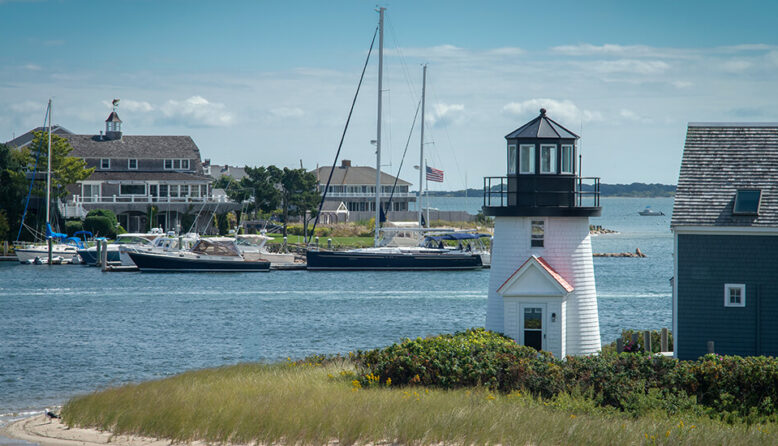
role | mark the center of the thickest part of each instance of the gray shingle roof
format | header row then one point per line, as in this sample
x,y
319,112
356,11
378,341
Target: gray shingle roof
x,y
131,146
25,139
718,159
354,175
147,176
238,173
542,127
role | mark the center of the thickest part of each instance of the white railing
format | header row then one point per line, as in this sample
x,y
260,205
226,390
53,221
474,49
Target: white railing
x,y
78,200
369,194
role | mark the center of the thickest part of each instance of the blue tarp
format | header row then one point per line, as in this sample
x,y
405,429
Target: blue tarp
x,y
75,241
52,234
457,236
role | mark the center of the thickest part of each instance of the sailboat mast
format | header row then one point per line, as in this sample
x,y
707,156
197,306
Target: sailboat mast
x,y
48,174
421,142
378,126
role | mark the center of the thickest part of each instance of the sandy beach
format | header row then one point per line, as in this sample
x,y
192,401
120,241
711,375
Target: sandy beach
x,y
39,429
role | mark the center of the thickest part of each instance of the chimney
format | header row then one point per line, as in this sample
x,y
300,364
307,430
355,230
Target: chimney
x,y
344,164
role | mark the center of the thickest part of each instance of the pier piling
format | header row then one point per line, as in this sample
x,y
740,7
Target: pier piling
x,y
647,341
104,255
711,347
619,345
663,341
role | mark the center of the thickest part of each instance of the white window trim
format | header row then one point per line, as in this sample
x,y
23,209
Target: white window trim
x,y
101,163
512,164
553,158
187,163
572,162
532,236
531,169
164,164
129,167
731,286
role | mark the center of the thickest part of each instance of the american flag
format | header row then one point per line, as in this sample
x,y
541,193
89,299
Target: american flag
x,y
434,174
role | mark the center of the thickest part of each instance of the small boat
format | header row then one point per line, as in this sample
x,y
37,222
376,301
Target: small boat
x,y
207,255
166,243
253,246
648,212
64,247
89,255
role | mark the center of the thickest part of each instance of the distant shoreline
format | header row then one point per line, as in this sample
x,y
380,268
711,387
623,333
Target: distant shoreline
x,y
634,190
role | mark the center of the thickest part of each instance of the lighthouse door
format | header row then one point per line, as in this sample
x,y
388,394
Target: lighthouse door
x,y
533,331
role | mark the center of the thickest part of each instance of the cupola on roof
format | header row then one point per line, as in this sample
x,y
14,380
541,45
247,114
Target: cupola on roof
x,y
113,117
542,127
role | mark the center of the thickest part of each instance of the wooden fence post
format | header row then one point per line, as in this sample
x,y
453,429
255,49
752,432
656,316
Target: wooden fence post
x,y
619,345
664,341
635,337
647,341
5,248
711,347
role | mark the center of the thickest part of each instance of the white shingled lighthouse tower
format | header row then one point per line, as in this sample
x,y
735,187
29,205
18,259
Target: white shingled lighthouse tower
x,y
541,285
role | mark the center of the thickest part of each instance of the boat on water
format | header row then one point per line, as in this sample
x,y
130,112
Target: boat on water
x,y
65,250
162,243
207,255
648,212
254,246
424,256
89,255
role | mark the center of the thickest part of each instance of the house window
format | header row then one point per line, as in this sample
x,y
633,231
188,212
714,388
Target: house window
x,y
132,189
195,188
204,190
734,295
132,163
538,231
174,190
512,159
176,164
527,164
548,158
185,164
168,164
163,190
105,163
184,190
747,202
567,159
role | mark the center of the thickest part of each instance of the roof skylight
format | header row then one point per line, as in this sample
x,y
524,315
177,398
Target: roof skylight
x,y
747,202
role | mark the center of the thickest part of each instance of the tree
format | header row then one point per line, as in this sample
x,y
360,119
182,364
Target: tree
x,y
261,183
13,187
65,169
299,193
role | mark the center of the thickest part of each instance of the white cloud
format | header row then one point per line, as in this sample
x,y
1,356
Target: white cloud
x,y
197,112
634,66
735,66
29,107
445,114
682,84
287,112
630,115
132,106
32,67
562,111
587,49
506,51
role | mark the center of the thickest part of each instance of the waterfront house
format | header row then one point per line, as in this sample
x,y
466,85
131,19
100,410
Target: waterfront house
x,y
541,283
725,225
25,139
147,181
354,186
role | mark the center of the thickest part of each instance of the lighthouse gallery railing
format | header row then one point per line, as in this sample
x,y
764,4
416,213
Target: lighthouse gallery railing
x,y
497,192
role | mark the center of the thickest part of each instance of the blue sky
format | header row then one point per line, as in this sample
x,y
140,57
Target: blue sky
x,y
270,82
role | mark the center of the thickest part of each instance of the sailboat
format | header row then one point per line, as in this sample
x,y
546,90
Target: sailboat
x,y
426,256
51,253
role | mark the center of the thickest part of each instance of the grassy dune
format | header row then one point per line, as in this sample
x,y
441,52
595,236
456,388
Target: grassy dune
x,y
303,404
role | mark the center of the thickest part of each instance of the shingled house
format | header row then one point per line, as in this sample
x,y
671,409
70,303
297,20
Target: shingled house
x,y
140,178
354,188
725,223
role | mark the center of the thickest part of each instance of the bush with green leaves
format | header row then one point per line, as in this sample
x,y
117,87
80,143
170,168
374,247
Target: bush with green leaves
x,y
100,226
732,388
73,226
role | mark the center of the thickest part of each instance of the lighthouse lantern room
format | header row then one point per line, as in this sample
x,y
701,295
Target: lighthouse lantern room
x,y
541,284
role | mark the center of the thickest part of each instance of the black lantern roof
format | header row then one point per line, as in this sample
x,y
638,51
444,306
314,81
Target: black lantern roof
x,y
542,127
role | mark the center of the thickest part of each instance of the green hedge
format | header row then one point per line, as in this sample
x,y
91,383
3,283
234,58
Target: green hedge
x,y
730,387
100,226
73,226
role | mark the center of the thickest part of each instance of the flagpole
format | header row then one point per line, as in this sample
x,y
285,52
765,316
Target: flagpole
x,y
422,172
427,187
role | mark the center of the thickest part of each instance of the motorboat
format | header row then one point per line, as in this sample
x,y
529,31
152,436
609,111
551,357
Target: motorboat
x,y
89,255
63,247
253,246
165,243
218,254
648,212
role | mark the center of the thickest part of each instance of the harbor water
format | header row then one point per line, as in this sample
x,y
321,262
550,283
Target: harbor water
x,y
67,330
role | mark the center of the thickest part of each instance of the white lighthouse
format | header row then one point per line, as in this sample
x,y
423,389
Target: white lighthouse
x,y
541,285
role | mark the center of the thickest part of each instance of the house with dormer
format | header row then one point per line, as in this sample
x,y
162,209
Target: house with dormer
x,y
147,181
725,224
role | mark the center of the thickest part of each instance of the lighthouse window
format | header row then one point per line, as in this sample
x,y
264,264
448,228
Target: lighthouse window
x,y
567,159
547,158
538,231
527,159
512,159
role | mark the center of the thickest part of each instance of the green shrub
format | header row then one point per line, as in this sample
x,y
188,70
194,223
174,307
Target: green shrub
x,y
728,387
5,228
104,213
73,226
100,226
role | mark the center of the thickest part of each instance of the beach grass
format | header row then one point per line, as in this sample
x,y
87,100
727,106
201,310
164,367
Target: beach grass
x,y
304,403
